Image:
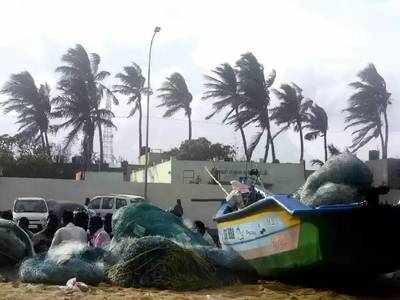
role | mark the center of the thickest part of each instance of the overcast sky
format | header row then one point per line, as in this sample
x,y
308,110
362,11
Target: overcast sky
x,y
319,45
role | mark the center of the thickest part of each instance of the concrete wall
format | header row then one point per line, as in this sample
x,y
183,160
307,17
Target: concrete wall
x,y
163,195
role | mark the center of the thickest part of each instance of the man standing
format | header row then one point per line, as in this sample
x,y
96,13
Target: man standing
x,y
70,232
178,209
42,240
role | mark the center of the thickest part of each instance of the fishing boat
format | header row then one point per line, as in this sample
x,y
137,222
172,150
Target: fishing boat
x,y
279,237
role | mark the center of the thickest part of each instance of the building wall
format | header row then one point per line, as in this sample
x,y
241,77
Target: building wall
x,y
163,195
279,178
160,173
104,176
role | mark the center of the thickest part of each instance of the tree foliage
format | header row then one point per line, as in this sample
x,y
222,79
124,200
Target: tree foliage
x,y
255,89
32,105
292,110
366,113
224,87
201,149
317,124
132,85
175,96
82,90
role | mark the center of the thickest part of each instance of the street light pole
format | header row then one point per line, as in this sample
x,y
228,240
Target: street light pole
x,y
146,167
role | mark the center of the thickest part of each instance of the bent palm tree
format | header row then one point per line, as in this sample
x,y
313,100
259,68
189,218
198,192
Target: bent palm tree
x,y
31,104
175,96
366,109
132,85
255,89
317,123
292,110
80,114
79,65
225,88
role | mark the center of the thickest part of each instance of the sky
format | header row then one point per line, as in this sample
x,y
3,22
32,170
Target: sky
x,y
319,45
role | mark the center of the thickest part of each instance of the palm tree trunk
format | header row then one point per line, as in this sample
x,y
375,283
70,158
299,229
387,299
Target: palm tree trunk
x,y
43,143
140,126
266,151
385,149
301,142
100,144
47,143
190,125
382,142
270,142
246,152
325,147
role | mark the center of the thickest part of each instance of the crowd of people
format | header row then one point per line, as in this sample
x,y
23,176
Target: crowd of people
x,y
73,227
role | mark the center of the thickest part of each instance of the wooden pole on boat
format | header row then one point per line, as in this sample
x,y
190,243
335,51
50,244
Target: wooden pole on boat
x,y
216,181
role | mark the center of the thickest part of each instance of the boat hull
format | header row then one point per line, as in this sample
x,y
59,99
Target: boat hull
x,y
279,244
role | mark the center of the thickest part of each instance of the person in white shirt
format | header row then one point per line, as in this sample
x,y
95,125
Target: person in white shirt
x,y
70,232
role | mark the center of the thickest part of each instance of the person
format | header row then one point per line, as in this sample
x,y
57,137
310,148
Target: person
x,y
23,223
98,236
200,228
42,240
87,201
108,224
81,219
178,209
70,232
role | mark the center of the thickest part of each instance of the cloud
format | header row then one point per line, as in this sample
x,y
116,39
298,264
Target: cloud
x,y
320,45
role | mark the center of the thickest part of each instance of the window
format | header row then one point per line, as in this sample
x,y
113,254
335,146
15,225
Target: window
x,y
95,203
188,176
108,203
120,203
35,206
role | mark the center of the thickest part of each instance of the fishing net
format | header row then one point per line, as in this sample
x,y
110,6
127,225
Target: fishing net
x,y
336,182
15,244
155,261
64,262
144,219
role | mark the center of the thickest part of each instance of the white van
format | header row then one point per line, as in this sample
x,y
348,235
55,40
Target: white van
x,y
105,204
33,208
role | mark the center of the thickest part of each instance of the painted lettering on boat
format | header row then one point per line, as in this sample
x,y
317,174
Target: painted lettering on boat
x,y
261,234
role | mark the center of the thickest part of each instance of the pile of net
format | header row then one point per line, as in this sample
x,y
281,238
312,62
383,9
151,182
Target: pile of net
x,y
152,247
144,219
154,261
64,262
15,244
338,181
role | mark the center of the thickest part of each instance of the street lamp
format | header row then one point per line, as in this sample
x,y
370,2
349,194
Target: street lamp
x,y
146,167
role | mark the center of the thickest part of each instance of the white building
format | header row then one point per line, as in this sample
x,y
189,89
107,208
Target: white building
x,y
279,178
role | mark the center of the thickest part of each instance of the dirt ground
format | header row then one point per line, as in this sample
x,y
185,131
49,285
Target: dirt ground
x,y
262,290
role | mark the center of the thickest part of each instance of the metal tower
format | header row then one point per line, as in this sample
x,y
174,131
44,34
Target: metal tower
x,y
108,136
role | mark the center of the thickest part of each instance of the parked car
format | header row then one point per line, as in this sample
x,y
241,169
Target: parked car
x,y
105,204
58,208
35,209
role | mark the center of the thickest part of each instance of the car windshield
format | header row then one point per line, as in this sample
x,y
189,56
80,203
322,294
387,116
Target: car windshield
x,y
37,206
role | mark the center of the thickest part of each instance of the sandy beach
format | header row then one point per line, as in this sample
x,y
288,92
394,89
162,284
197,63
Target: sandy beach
x,y
261,290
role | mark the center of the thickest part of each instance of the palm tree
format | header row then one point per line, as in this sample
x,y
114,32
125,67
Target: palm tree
x,y
132,85
317,123
175,96
225,88
80,113
255,88
84,67
292,110
32,105
366,109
